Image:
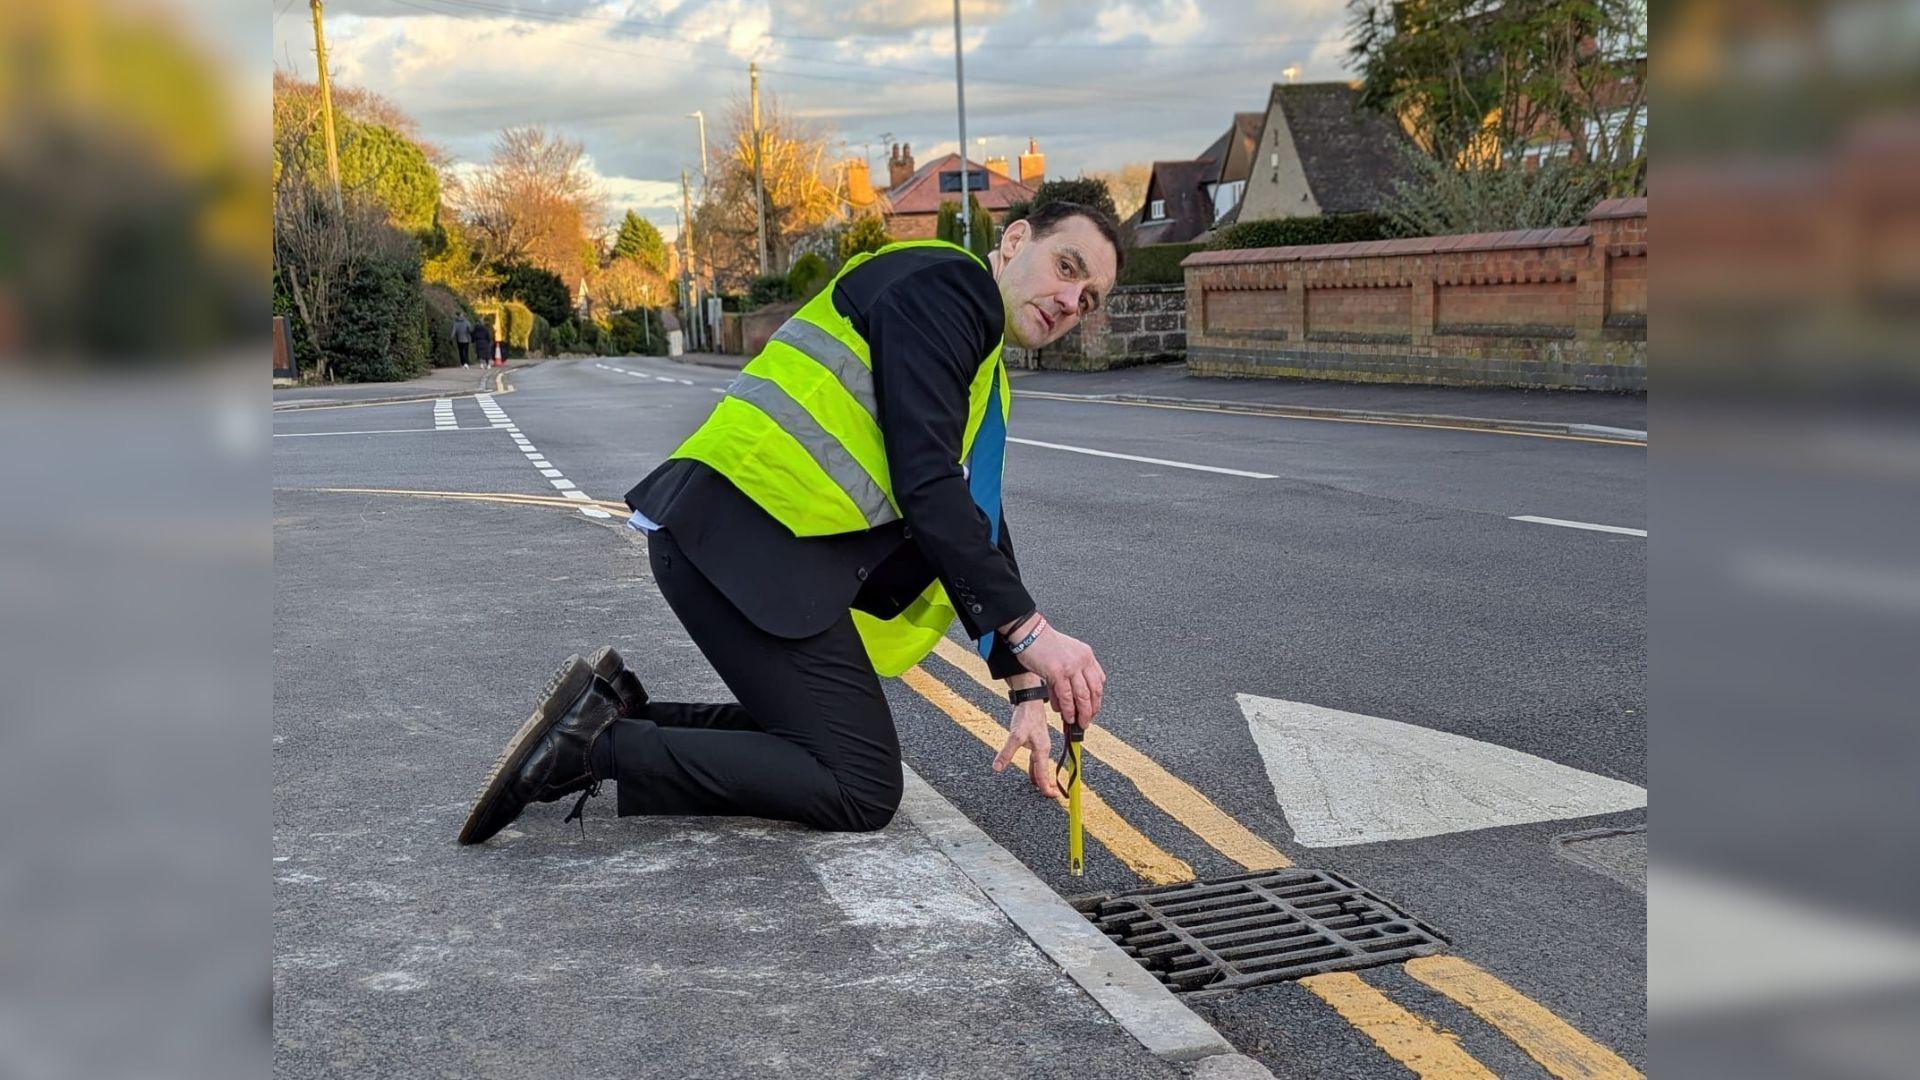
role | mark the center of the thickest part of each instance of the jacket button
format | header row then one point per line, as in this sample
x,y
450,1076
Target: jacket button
x,y
861,573
975,608
906,532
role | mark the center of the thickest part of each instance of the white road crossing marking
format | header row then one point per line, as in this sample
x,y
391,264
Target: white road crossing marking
x,y
1345,778
718,389
567,487
1587,525
443,418
1147,460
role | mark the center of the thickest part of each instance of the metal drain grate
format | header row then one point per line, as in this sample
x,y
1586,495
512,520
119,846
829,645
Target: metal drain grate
x,y
1205,938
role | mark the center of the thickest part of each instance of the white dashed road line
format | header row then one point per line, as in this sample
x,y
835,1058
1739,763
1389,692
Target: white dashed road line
x,y
1587,525
443,415
566,487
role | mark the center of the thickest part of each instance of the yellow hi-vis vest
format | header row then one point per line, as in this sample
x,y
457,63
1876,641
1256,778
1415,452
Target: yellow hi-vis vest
x,y
799,433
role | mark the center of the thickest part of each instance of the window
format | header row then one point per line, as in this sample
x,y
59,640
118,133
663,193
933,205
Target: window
x,y
976,180
1227,196
1156,210
1620,137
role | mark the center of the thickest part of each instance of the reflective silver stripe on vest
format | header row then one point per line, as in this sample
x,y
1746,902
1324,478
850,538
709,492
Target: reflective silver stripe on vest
x,y
826,451
832,353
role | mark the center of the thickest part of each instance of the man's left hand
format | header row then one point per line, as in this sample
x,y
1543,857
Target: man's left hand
x,y
1031,731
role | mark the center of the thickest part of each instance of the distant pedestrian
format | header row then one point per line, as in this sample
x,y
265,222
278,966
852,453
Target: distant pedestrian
x,y
462,336
483,339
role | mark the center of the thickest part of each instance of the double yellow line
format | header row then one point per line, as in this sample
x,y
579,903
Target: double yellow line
x,y
1417,1043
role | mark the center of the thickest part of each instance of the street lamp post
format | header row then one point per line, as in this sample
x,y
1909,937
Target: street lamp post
x,y
960,91
705,177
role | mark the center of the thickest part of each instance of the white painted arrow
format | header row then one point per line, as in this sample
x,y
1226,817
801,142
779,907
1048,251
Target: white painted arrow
x,y
1345,778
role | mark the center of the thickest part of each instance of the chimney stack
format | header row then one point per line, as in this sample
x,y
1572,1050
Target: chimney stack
x,y
998,164
900,165
1033,165
859,184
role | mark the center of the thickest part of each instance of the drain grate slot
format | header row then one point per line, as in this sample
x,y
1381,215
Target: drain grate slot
x,y
1206,938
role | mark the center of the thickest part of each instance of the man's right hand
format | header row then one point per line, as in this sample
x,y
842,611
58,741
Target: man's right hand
x,y
1075,680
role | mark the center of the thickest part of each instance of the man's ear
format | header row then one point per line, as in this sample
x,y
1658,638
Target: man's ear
x,y
1014,237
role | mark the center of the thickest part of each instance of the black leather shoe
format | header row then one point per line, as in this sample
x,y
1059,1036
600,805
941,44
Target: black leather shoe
x,y
610,669
547,759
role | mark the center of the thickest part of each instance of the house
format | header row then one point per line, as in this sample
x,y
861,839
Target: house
x,y
1176,207
1184,198
1320,152
1232,156
913,200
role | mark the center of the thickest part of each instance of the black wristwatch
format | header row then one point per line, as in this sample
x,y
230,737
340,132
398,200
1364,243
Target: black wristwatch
x,y
1031,693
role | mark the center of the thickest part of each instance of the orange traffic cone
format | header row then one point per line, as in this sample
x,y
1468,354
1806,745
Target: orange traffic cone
x,y
499,355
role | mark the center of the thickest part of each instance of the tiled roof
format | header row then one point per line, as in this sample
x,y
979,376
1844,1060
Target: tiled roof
x,y
1350,154
1232,153
1189,211
921,194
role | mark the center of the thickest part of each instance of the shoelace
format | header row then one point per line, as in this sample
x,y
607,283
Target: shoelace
x,y
580,804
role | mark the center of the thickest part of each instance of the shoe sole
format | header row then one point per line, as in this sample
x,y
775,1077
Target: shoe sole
x,y
606,663
566,686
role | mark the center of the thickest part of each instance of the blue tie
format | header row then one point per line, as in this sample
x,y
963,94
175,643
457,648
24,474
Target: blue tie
x,y
984,464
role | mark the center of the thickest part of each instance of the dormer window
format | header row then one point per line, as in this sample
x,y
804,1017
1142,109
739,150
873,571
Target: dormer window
x,y
1156,210
950,180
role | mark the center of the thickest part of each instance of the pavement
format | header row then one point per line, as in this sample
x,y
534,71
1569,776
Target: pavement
x,y
438,382
1483,587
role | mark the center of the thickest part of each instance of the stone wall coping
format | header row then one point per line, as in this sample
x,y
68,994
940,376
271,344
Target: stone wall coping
x,y
1610,209
1573,236
1118,289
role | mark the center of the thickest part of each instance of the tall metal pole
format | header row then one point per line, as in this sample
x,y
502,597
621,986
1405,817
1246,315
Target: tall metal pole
x,y
759,180
326,102
960,91
686,262
706,176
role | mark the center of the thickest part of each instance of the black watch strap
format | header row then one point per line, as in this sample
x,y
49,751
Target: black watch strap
x,y
1031,693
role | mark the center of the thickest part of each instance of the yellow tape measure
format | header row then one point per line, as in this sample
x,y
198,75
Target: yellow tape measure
x,y
1071,752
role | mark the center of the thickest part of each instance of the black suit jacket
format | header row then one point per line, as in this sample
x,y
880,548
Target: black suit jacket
x,y
931,317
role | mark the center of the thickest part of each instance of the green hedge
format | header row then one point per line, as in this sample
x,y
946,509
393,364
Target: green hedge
x,y
380,329
513,322
442,305
1295,231
1156,264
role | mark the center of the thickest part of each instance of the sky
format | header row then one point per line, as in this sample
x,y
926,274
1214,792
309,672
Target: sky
x,y
1098,83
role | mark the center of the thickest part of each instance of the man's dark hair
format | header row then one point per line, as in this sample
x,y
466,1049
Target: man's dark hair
x,y
1049,217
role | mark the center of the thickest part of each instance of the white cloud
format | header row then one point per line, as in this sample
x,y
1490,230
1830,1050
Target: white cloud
x,y
620,75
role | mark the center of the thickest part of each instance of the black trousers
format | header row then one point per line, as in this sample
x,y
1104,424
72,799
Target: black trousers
x,y
810,739
463,346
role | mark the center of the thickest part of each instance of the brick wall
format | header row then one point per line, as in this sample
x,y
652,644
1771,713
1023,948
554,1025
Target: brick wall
x,y
1138,324
1560,308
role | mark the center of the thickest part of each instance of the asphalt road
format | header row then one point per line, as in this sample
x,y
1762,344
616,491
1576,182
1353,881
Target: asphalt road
x,y
1366,568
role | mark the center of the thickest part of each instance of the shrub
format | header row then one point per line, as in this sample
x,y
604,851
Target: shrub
x,y
538,337
380,330
1085,190
809,273
565,339
771,289
1156,264
1294,231
540,290
1017,211
1441,200
637,332
867,233
512,323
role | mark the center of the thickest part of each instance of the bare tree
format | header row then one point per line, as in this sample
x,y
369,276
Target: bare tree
x,y
535,201
803,197
1128,185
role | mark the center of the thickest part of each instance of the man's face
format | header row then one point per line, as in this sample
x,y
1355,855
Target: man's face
x,y
1049,284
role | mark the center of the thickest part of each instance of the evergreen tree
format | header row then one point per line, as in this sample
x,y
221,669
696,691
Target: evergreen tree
x,y
980,232
947,225
640,241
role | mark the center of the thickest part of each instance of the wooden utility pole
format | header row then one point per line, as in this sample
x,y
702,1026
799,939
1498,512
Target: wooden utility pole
x,y
326,102
759,180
